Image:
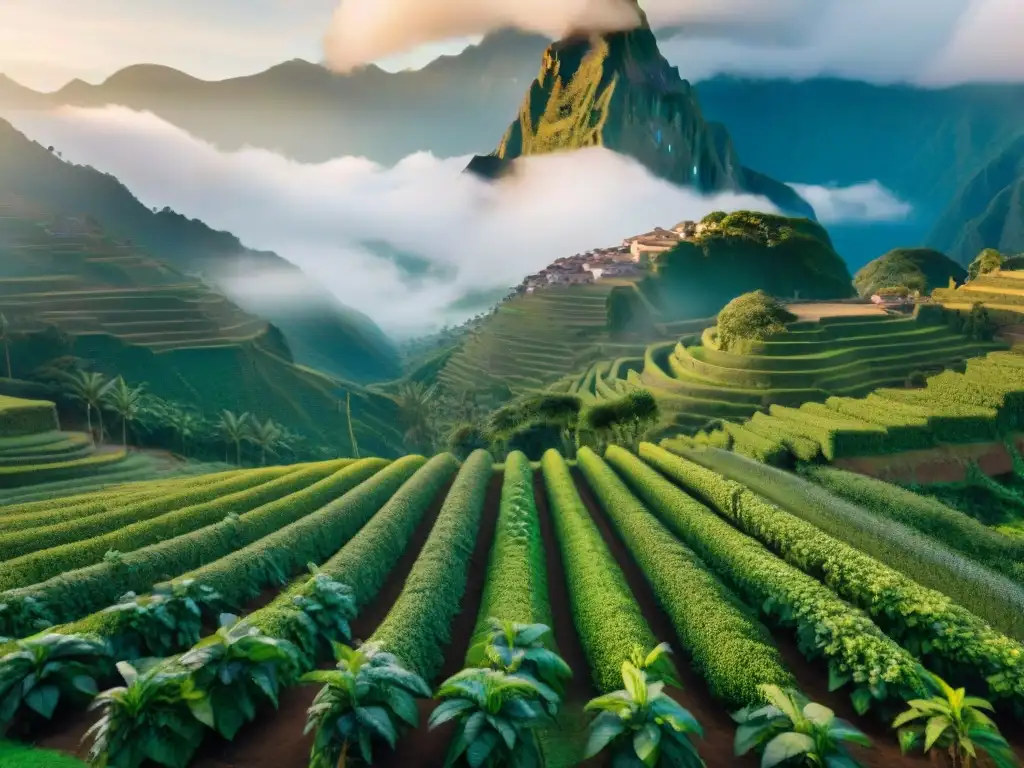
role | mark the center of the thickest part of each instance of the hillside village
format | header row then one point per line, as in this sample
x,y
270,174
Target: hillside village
x,y
631,258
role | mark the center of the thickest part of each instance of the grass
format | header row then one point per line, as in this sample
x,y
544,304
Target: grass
x,y
20,756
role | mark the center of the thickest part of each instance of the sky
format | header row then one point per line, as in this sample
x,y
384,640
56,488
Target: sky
x,y
45,43
476,237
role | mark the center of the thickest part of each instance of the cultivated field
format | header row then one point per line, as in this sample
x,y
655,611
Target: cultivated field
x,y
695,381
828,587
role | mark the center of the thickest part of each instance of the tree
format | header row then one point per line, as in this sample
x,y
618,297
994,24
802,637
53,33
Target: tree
x,y
266,436
414,402
235,430
989,260
5,337
91,389
750,317
127,403
954,722
185,423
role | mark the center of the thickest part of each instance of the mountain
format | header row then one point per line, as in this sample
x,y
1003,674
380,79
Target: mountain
x,y
921,269
454,106
988,212
321,332
619,92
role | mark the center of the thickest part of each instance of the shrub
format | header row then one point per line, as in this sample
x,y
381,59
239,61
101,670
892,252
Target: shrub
x,y
608,620
854,647
751,317
979,325
418,625
26,417
728,647
466,438
989,260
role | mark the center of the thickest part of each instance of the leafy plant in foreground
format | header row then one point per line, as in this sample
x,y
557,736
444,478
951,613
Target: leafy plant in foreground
x,y
238,666
170,618
498,716
159,715
952,721
43,670
519,648
323,610
365,699
642,725
792,730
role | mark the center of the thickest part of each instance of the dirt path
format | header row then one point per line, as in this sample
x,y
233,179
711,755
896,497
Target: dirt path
x,y
719,729
275,738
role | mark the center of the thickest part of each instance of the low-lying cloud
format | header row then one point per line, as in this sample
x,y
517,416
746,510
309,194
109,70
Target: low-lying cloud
x,y
860,202
465,235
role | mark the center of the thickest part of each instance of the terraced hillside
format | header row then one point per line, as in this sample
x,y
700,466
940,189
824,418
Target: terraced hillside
x,y
847,355
534,339
984,403
615,555
999,290
37,460
133,316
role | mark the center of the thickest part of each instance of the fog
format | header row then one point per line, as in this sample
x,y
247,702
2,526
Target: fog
x,y
463,234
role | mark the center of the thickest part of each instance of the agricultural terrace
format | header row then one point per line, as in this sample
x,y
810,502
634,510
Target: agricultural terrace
x,y
998,290
838,355
982,404
37,460
534,339
69,273
805,589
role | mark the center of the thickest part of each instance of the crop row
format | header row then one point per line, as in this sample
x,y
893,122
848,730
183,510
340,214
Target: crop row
x,y
418,626
855,648
730,649
47,530
516,587
364,563
14,477
956,530
608,620
923,620
243,518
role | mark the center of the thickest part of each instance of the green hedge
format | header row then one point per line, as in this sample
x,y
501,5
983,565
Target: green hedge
x,y
608,619
951,422
853,645
76,593
177,514
838,437
15,477
363,563
517,581
923,620
757,446
903,432
780,431
244,573
954,529
26,417
418,626
38,441
730,649
68,525
366,561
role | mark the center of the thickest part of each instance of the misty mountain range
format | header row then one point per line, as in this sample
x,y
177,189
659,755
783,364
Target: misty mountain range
x,y
927,146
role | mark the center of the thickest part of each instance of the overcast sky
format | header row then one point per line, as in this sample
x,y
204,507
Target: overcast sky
x,y
45,43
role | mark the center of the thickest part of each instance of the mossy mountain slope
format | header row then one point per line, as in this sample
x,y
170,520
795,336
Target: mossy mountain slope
x,y
920,269
320,331
617,91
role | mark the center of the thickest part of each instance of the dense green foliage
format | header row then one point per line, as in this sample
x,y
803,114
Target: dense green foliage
x,y
753,316
917,269
75,593
954,529
516,587
25,417
989,260
418,626
608,620
925,622
855,648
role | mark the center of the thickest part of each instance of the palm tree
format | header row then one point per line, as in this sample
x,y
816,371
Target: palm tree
x,y
266,436
127,403
5,337
235,429
414,406
91,389
185,424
